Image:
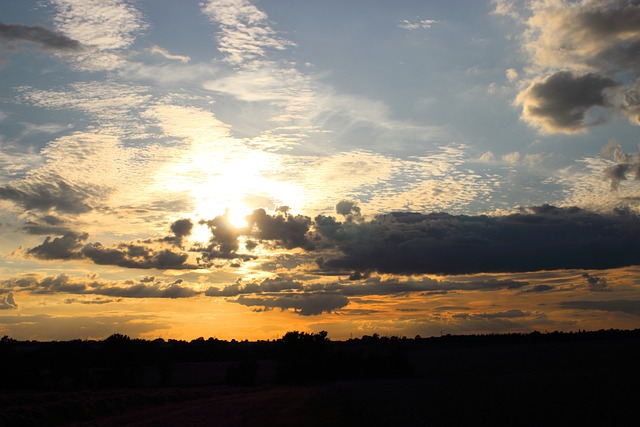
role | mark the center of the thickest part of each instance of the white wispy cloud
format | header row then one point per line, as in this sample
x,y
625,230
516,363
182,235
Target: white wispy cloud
x,y
245,34
167,75
106,27
165,53
110,104
438,181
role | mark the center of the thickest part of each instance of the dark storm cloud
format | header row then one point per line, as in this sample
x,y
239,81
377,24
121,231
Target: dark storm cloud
x,y
559,103
44,194
91,286
303,304
46,38
624,306
540,238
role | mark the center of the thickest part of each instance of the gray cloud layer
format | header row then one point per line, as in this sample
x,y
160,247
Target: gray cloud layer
x,y
45,194
625,306
145,288
304,304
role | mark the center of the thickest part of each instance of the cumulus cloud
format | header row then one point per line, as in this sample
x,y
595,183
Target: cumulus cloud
x,y
224,240
508,8
561,102
582,55
487,157
46,38
540,238
584,34
347,208
143,254
627,164
66,247
181,229
283,227
512,158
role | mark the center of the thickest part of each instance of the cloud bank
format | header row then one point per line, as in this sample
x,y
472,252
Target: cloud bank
x,y
540,238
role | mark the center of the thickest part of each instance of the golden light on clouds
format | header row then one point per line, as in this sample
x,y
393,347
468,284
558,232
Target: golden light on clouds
x,y
130,160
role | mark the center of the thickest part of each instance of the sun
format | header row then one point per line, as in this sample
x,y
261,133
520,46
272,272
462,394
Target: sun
x,y
232,183
237,215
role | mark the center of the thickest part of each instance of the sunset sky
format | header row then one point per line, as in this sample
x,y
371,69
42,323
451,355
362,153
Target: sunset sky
x,y
240,169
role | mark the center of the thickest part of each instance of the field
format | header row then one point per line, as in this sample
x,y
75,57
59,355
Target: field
x,y
542,379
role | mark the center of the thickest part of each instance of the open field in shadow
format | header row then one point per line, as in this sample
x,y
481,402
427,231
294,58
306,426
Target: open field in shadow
x,y
586,378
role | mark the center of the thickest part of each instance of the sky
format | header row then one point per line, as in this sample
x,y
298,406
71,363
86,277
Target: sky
x,y
239,169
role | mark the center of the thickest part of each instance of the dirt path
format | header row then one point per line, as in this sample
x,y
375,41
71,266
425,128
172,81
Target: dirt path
x,y
290,406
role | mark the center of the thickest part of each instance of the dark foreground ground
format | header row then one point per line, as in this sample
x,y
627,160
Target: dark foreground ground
x,y
516,380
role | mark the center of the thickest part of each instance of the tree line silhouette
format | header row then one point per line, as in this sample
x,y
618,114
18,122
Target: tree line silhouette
x,y
302,358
